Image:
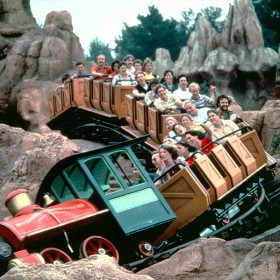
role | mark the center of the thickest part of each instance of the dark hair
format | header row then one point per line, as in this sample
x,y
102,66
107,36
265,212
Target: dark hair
x,y
173,127
191,132
185,115
113,64
185,143
143,162
146,61
172,150
181,76
65,77
138,61
213,111
79,63
121,63
165,72
222,96
155,152
154,81
158,86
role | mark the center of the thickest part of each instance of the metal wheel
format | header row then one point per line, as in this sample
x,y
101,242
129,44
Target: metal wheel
x,y
55,256
94,245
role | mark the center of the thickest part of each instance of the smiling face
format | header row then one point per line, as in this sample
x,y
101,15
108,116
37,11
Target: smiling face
x,y
193,140
191,109
168,77
164,154
186,122
183,83
214,118
101,60
195,92
224,104
161,92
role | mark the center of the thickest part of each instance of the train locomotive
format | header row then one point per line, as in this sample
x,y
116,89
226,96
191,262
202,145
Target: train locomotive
x,y
90,203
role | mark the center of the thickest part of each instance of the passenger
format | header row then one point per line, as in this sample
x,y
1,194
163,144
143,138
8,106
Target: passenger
x,y
170,141
193,139
80,71
196,114
101,70
138,177
169,81
200,100
129,61
179,131
187,122
64,79
170,122
138,66
169,155
123,78
183,92
115,68
151,96
223,109
158,162
220,127
185,150
148,69
167,101
213,90
142,86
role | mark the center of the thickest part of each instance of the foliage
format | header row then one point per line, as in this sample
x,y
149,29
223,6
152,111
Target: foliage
x,y
97,47
212,14
268,13
153,32
275,142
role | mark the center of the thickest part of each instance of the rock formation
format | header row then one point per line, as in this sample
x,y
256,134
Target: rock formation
x,y
28,52
236,60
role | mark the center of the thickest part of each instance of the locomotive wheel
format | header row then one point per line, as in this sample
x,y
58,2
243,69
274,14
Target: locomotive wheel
x,y
55,256
94,245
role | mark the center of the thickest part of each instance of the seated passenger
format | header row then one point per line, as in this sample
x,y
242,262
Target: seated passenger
x,y
159,164
200,100
64,79
195,113
223,109
137,66
185,150
182,92
129,61
80,71
169,155
187,122
193,139
170,122
151,96
142,87
101,70
169,80
115,68
220,127
179,131
167,101
123,78
148,69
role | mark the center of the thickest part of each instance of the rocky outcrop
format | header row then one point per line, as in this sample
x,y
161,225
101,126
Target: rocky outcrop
x,y
25,159
236,60
216,259
28,52
206,259
94,267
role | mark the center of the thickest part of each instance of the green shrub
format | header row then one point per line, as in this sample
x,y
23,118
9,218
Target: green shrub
x,y
275,142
